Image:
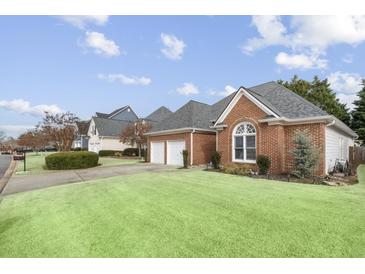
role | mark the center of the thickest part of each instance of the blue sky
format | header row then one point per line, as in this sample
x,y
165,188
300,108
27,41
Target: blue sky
x,y
89,64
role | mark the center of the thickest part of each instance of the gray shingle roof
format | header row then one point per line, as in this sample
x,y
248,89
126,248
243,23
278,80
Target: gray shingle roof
x,y
282,101
110,127
285,102
192,114
159,114
83,127
105,115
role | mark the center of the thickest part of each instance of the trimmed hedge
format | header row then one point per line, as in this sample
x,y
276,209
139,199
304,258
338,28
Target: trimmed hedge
x,y
104,153
133,152
72,160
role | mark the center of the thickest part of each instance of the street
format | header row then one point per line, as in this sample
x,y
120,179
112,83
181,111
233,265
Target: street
x,y
4,164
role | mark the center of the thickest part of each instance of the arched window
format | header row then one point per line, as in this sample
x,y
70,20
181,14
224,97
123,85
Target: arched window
x,y
244,143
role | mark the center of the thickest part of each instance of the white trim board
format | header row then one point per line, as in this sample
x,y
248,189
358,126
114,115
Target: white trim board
x,y
241,91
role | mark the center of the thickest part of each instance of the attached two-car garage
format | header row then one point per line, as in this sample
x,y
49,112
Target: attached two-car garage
x,y
173,150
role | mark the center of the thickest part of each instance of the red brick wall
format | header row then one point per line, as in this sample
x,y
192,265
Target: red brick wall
x,y
203,147
317,134
274,141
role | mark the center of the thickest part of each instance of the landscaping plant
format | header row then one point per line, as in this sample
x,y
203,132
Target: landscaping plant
x,y
185,154
264,163
305,155
72,160
216,159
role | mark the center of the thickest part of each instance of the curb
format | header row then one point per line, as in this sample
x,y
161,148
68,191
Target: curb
x,y
9,172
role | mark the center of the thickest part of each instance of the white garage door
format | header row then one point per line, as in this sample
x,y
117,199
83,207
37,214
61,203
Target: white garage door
x,y
158,152
174,152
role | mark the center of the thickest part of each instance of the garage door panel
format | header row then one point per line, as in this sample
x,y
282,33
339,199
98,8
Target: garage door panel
x,y
158,152
174,152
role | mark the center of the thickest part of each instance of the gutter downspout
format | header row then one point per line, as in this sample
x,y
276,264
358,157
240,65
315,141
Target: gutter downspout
x,y
325,144
191,146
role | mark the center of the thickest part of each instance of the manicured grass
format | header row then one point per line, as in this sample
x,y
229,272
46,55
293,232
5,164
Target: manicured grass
x,y
185,213
35,163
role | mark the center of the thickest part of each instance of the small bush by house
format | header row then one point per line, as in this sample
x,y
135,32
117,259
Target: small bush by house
x,y
237,169
216,159
109,153
72,160
264,163
185,154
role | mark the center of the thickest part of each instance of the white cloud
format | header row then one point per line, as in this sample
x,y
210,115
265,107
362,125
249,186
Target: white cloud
x,y
15,130
228,89
346,86
347,99
24,107
310,35
174,47
300,61
347,59
125,80
346,83
81,21
188,89
100,44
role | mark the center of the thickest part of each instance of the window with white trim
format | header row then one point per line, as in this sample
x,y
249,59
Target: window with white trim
x,y
244,143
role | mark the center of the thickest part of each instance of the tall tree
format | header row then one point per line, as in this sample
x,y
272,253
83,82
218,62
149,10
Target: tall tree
x,y
134,133
60,129
319,93
358,114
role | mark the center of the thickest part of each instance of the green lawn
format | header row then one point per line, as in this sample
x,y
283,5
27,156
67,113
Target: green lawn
x,y
185,214
35,163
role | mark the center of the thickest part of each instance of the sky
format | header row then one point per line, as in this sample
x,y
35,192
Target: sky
x,y
85,64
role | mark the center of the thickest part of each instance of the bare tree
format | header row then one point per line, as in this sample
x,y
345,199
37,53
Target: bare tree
x,y
60,129
135,134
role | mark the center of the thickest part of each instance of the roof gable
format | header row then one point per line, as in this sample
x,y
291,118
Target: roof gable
x,y
159,114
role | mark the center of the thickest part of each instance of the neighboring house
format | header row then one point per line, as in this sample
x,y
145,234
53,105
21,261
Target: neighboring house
x,y
105,129
251,121
82,138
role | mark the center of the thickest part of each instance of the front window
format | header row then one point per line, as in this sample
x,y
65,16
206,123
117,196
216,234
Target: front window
x,y
244,143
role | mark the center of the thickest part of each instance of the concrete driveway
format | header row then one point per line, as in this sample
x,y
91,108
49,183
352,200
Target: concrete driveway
x,y
21,183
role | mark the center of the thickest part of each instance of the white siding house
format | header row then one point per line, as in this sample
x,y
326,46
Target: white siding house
x,y
337,146
105,129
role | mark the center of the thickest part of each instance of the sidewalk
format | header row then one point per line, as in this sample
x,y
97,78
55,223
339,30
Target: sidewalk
x,y
21,183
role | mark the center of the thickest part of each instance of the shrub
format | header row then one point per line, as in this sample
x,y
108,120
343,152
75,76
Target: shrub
x,y
264,163
237,169
305,155
131,151
72,160
78,149
185,154
216,159
105,153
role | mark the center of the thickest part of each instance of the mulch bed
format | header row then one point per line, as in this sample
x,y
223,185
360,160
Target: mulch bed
x,y
330,180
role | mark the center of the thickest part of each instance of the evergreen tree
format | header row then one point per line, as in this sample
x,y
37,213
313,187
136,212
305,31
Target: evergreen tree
x,y
305,156
322,96
319,93
358,115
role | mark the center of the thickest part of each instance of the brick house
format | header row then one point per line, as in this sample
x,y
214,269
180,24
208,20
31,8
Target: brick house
x,y
251,121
